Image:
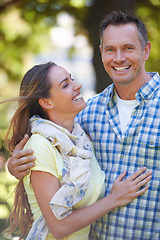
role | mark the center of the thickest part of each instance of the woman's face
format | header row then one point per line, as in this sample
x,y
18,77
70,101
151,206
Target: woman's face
x,y
65,93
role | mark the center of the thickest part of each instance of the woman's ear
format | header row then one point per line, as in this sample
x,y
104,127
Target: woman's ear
x,y
45,103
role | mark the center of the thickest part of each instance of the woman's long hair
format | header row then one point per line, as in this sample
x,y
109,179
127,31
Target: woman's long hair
x,y
35,85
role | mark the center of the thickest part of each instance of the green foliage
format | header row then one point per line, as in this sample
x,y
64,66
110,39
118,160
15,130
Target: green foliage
x,y
24,30
7,185
149,13
19,39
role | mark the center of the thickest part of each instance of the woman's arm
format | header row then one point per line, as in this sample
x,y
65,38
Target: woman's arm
x,y
45,185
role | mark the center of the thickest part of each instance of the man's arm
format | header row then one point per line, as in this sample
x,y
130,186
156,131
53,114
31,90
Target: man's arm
x,y
21,161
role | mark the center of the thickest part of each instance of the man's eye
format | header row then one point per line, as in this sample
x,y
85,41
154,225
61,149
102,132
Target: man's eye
x,y
109,50
129,48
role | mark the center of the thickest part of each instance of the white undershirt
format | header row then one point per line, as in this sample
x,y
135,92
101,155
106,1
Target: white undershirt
x,y
125,108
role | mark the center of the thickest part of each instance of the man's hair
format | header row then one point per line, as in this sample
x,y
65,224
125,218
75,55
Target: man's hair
x,y
118,18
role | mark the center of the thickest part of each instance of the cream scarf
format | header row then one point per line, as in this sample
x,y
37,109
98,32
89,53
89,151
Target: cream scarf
x,y
76,152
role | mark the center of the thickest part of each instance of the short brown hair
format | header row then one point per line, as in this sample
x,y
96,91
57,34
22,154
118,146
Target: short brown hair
x,y
118,18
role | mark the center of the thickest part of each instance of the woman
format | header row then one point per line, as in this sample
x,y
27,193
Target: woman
x,y
66,181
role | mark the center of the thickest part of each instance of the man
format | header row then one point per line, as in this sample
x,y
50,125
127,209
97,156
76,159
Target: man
x,y
123,122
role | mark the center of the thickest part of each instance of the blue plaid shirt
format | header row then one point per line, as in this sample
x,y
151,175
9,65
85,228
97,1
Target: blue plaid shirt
x,y
138,146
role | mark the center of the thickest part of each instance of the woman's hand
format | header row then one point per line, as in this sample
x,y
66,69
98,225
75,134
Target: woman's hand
x,y
124,191
21,161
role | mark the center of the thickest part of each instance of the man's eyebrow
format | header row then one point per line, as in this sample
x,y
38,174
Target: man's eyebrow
x,y
125,45
108,46
129,44
64,80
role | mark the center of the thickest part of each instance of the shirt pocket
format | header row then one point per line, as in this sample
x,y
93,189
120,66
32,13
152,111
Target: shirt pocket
x,y
149,134
148,148
149,139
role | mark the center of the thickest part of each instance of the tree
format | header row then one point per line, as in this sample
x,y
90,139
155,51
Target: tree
x,y
99,9
38,16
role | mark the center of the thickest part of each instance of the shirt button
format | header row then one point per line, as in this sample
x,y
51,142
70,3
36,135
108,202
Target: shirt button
x,y
121,156
151,143
107,227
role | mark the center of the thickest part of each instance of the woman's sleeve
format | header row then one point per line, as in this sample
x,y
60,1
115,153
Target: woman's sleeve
x,y
48,159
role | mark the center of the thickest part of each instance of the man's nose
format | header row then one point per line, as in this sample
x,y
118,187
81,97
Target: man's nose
x,y
119,56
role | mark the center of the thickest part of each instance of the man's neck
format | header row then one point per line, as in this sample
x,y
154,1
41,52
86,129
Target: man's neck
x,y
128,91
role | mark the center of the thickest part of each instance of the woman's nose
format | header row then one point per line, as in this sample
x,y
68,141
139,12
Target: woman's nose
x,y
77,85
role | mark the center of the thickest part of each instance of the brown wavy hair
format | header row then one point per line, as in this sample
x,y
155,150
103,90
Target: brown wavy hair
x,y
35,85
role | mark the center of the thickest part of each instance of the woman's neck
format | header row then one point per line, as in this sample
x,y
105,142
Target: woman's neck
x,y
65,123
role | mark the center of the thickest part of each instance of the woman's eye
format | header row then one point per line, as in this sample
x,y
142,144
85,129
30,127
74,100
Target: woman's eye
x,y
67,82
65,85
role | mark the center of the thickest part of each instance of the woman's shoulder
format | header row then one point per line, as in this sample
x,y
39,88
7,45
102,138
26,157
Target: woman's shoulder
x,y
48,157
43,149
37,140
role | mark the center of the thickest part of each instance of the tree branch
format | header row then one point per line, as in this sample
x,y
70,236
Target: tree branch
x,y
6,4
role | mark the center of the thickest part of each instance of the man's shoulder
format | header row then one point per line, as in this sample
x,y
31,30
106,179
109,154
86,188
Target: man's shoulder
x,y
154,85
95,105
154,75
101,97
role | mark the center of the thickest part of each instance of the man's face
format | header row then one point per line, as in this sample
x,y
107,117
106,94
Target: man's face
x,y
122,54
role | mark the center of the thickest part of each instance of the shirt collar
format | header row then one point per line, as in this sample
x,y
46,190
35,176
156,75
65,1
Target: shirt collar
x,y
146,91
109,92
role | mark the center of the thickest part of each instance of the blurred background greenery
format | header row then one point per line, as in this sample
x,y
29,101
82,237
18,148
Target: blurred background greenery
x,y
64,31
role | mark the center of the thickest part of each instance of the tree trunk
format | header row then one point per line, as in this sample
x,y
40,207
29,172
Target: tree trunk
x,y
95,15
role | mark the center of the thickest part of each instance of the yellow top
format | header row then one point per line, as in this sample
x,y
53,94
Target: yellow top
x,y
48,159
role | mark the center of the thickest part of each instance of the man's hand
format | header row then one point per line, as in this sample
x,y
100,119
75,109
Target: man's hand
x,y
21,161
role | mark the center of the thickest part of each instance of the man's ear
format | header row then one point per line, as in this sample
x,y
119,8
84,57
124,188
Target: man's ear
x,y
147,50
100,48
101,51
45,103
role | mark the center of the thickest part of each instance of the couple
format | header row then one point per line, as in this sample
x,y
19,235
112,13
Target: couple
x,y
67,163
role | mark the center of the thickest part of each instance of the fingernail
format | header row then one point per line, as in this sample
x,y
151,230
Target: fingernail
x,y
31,164
30,151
